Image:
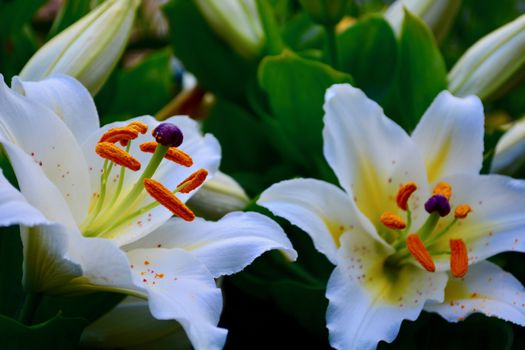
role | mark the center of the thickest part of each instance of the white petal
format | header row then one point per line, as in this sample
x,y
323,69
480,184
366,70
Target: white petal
x,y
370,154
226,246
320,209
181,288
204,150
14,208
68,98
450,136
509,156
368,300
497,219
486,288
130,325
48,265
43,136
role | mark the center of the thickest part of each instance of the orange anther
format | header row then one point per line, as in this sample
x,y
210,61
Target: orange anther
x,y
443,189
458,258
392,221
112,152
168,199
174,154
404,193
462,211
419,252
119,134
139,126
193,181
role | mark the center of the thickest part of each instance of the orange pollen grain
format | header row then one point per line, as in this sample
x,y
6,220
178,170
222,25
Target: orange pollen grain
x,y
146,262
174,154
419,252
458,258
443,189
168,199
392,221
119,134
404,193
193,181
462,211
139,126
112,152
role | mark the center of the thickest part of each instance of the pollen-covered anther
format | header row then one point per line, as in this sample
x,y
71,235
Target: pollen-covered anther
x,y
392,221
193,181
119,134
419,252
112,152
458,258
462,211
173,154
404,193
443,189
168,199
139,126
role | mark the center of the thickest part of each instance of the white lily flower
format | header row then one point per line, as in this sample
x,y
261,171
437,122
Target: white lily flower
x,y
510,150
89,49
396,246
87,224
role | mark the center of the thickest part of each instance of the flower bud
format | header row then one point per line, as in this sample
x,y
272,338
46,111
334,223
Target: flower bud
x,y
89,49
509,157
218,196
237,22
325,12
437,14
491,62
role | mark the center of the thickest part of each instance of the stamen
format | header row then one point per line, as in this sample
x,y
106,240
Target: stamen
x,y
168,199
173,154
443,189
458,258
392,221
420,253
193,181
139,126
462,211
112,152
438,203
404,193
119,134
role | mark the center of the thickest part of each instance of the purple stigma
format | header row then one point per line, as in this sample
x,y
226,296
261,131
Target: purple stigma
x,y
168,134
438,203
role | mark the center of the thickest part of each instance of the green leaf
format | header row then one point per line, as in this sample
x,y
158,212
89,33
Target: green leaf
x,y
57,333
15,14
142,89
217,67
11,292
368,51
295,88
68,14
422,73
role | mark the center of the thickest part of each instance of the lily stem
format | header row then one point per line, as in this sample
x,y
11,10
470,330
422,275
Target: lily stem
x,y
31,303
331,40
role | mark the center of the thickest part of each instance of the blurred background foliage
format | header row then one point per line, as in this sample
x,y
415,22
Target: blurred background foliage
x,y
266,110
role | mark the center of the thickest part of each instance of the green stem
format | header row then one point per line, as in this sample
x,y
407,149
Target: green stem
x,y
120,179
331,53
31,303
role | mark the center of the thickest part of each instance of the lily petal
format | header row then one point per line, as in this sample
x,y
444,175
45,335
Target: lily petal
x,y
450,136
320,209
42,136
130,325
497,219
14,208
486,288
370,154
226,246
181,288
368,300
68,98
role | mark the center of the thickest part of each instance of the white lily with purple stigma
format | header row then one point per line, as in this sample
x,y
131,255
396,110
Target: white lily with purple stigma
x,y
414,222
96,206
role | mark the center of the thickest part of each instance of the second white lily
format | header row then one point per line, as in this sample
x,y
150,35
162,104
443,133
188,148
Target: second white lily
x,y
414,222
